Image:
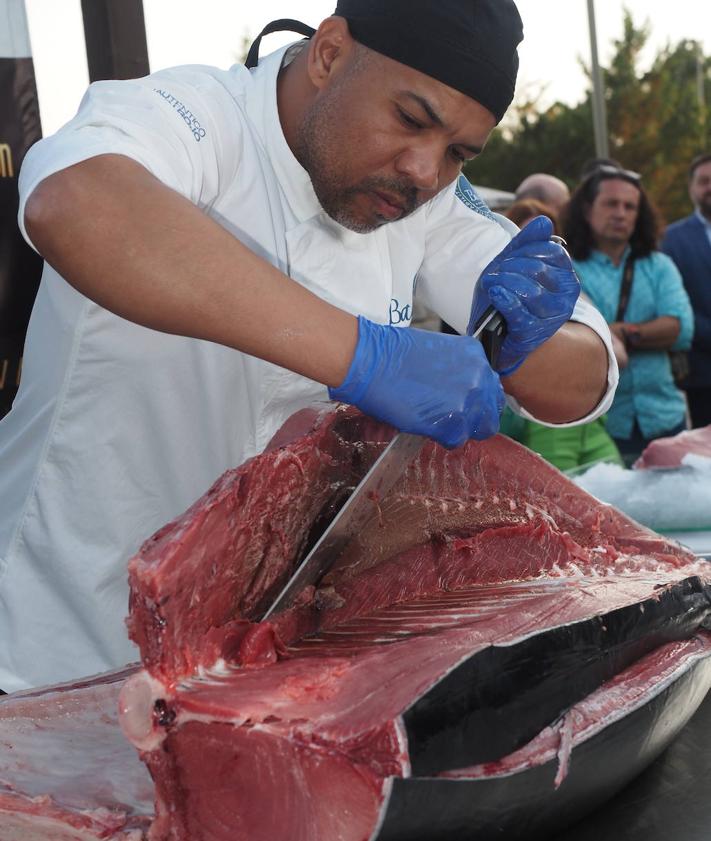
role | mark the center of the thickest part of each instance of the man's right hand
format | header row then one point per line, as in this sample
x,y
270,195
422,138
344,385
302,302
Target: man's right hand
x,y
423,382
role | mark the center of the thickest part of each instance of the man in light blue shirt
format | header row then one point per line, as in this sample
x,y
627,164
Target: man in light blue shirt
x,y
611,229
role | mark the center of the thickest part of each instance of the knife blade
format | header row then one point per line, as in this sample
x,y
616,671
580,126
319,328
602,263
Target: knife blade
x,y
357,511
362,505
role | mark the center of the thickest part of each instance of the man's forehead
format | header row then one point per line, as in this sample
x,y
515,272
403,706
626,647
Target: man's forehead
x,y
438,93
618,186
444,102
702,171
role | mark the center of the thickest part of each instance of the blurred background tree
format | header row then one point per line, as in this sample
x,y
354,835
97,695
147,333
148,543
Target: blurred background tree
x,y
657,120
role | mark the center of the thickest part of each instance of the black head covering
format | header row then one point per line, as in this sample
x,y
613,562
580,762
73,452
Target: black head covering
x,y
469,45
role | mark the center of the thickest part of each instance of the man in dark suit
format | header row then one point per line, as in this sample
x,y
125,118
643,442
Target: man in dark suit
x,y
688,243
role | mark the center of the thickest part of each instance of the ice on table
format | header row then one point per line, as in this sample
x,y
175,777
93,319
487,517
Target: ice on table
x,y
663,499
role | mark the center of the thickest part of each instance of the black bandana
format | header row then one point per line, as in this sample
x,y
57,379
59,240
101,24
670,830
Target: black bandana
x,y
469,45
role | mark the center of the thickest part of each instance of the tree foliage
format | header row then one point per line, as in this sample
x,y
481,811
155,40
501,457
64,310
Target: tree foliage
x,y
657,121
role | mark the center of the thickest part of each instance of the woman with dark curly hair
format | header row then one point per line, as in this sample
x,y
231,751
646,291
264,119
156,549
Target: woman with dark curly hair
x,y
611,228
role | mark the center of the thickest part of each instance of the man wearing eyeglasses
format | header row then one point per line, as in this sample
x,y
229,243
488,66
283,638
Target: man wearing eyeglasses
x,y
612,231
688,243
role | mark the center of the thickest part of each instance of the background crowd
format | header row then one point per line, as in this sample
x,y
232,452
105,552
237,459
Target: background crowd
x,y
652,285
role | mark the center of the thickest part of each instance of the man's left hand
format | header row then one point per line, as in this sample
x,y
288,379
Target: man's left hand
x,y
532,283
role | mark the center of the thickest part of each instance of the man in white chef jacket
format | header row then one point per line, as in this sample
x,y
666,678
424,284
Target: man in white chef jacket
x,y
225,247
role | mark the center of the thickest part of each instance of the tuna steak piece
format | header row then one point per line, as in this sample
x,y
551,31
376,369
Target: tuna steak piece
x,y
488,597
66,771
669,452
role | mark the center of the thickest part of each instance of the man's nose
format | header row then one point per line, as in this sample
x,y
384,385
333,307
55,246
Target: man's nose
x,y
421,166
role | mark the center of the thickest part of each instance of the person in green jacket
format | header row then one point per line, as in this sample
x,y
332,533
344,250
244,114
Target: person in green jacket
x,y
567,448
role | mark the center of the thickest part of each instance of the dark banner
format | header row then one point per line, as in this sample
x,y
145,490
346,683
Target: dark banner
x,y
115,33
20,267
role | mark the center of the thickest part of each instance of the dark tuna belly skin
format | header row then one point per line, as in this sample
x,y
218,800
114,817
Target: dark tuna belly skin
x,y
498,699
527,805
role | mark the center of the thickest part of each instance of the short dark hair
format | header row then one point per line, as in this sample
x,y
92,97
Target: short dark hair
x,y
696,163
526,209
576,229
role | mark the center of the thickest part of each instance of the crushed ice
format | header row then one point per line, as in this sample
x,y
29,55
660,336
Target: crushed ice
x,y
662,499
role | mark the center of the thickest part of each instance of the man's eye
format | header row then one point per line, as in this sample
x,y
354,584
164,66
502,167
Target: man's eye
x,y
409,120
457,155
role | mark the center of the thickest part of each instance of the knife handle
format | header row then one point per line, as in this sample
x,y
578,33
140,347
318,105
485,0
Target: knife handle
x,y
491,335
490,327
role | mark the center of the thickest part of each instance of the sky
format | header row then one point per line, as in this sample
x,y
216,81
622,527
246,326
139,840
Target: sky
x,y
212,32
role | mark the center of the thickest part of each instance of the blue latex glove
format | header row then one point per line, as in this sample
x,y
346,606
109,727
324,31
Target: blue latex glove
x,y
533,285
428,383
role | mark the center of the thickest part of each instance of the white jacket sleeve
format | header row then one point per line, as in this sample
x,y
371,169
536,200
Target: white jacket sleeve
x,y
183,125
463,236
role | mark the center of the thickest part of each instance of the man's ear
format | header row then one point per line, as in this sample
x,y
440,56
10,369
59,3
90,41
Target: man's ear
x,y
329,50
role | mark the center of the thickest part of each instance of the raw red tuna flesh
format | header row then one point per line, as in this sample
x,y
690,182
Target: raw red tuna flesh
x,y
489,596
669,452
93,788
491,644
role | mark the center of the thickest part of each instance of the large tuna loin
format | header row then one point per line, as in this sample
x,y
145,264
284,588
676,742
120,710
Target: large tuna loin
x,y
459,674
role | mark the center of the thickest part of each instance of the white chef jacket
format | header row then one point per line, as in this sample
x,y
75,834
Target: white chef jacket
x,y
117,429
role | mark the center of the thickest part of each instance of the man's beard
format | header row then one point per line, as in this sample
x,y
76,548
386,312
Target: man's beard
x,y
705,206
319,159
338,201
617,236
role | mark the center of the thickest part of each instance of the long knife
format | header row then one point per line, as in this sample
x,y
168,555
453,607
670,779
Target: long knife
x,y
361,505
